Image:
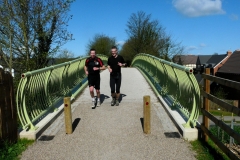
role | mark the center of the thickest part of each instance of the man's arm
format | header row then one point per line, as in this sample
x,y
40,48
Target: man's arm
x,y
109,68
99,68
122,63
86,70
102,68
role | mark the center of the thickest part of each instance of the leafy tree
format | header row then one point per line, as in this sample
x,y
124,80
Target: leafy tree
x,y
148,36
33,30
64,56
65,53
101,43
127,52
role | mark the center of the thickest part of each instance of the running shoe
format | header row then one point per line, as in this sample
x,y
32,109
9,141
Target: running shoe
x,y
117,103
93,104
98,103
113,102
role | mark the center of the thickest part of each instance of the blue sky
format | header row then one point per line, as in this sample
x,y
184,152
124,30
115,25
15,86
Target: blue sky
x,y
202,26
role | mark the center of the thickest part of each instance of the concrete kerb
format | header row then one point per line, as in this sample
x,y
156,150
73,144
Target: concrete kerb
x,y
42,125
46,121
189,134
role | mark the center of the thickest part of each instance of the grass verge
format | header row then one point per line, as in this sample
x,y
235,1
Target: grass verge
x,y
10,151
208,150
219,113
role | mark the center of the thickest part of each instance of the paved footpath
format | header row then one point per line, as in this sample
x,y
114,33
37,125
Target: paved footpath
x,y
113,132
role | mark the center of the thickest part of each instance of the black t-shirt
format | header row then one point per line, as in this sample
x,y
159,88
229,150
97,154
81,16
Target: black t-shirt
x,y
113,63
93,62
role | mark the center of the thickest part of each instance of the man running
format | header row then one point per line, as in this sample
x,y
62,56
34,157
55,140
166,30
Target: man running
x,y
115,62
92,68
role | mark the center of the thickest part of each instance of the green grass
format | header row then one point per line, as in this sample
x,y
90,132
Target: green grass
x,y
231,121
219,113
10,151
207,150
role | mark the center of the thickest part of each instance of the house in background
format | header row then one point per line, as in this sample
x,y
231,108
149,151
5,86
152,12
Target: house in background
x,y
214,62
186,60
231,70
200,62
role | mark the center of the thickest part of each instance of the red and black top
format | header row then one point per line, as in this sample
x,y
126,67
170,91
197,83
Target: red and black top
x,y
93,62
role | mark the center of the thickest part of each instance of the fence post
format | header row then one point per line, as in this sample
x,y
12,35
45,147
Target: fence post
x,y
222,118
146,115
206,102
8,114
232,127
68,115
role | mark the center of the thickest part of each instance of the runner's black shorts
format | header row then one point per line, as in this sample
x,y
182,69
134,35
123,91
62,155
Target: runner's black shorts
x,y
94,80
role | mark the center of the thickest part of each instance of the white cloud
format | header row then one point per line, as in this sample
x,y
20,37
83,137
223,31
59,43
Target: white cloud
x,y
199,47
190,48
202,45
196,8
234,17
120,43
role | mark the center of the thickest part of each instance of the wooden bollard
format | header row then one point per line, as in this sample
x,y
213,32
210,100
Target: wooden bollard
x,y
146,115
68,115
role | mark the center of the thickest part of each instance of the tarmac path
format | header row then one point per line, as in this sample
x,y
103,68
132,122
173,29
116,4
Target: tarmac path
x,y
113,132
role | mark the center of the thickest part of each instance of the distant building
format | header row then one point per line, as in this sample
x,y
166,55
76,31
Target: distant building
x,y
186,60
231,70
214,62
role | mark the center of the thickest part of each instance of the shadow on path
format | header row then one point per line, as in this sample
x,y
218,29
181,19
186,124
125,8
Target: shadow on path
x,y
75,123
142,121
103,97
121,97
172,135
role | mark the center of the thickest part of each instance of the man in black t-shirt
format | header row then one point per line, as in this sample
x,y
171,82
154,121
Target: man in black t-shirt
x,y
115,62
92,68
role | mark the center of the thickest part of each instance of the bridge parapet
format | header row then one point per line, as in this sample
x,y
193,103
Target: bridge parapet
x,y
174,82
40,91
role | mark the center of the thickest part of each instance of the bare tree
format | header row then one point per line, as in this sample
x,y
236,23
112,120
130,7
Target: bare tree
x,y
33,30
101,43
148,36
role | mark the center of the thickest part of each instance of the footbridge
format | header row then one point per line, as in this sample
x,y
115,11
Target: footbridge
x,y
110,132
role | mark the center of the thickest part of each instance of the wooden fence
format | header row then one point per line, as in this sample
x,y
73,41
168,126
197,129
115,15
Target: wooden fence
x,y
206,115
8,115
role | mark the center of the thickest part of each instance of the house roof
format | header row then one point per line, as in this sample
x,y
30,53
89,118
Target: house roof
x,y
210,60
215,59
185,59
232,65
204,58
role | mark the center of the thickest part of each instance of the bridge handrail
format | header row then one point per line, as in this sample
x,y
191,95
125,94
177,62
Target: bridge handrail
x,y
42,90
174,82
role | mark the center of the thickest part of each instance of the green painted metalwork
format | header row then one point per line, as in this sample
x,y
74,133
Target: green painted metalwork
x,y
40,91
174,82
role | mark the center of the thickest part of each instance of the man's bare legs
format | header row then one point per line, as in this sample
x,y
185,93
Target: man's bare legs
x,y
93,98
98,98
91,89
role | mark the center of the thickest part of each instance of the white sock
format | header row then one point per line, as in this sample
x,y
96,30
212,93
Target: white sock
x,y
93,99
98,99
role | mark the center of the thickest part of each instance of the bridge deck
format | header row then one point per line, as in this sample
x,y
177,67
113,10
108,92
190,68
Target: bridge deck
x,y
113,132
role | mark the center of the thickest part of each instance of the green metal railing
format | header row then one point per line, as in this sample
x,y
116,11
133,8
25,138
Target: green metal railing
x,y
174,82
41,91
